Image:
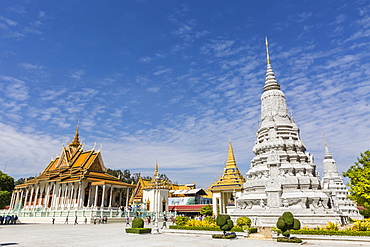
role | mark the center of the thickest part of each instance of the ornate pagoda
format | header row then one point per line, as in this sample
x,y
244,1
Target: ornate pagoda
x,y
229,186
282,175
73,182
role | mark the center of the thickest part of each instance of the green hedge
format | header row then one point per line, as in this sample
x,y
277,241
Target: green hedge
x,y
221,236
209,228
138,230
290,240
337,233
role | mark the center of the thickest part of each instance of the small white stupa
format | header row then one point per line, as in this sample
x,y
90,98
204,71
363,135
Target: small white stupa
x,y
333,182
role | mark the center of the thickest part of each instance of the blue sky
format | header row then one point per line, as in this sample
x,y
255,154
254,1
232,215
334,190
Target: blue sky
x,y
175,80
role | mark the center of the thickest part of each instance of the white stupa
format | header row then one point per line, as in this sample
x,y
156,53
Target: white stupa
x,y
333,182
282,176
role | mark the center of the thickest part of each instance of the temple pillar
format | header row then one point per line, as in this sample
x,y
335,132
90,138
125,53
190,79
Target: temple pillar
x,y
110,197
79,200
127,193
89,196
58,199
96,195
25,199
102,196
21,199
31,195
71,195
12,201
47,197
120,197
37,194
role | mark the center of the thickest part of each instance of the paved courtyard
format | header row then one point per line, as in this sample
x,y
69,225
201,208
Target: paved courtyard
x,y
114,235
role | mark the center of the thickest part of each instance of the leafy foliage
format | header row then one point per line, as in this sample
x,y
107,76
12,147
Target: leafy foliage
x,y
243,222
208,228
6,182
181,220
138,223
206,210
289,240
224,222
5,197
326,232
287,222
138,230
359,175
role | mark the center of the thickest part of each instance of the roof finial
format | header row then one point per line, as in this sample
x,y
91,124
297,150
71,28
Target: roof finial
x,y
156,169
327,152
267,51
76,141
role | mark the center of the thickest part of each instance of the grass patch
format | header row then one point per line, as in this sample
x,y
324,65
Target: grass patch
x,y
290,240
227,236
138,230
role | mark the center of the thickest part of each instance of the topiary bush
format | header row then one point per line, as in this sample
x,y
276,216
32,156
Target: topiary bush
x,y
244,222
138,223
224,222
287,222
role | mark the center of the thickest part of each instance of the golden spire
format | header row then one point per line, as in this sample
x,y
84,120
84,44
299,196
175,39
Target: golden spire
x,y
156,169
230,156
267,51
76,140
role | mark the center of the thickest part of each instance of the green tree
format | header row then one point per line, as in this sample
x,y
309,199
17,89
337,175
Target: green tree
x,y
224,222
206,210
6,182
6,188
359,175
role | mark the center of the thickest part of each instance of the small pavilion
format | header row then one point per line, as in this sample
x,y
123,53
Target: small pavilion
x,y
228,187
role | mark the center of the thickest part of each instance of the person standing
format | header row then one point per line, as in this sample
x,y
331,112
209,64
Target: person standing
x,y
164,222
52,220
76,223
127,221
66,222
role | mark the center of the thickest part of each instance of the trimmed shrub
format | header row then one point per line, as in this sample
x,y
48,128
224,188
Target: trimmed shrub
x,y
287,222
138,230
181,220
326,232
227,236
138,223
234,229
290,240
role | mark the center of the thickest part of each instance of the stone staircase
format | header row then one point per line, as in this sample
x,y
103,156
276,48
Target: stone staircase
x,y
264,233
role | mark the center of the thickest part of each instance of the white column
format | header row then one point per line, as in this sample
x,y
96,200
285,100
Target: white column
x,y
71,195
64,201
47,198
96,195
127,193
12,201
21,199
58,200
25,199
120,197
89,196
37,194
110,198
102,197
79,200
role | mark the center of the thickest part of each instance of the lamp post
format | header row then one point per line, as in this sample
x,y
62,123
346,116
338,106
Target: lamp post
x,y
156,195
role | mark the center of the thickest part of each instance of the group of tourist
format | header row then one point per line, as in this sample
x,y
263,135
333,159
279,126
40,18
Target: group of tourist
x,y
8,220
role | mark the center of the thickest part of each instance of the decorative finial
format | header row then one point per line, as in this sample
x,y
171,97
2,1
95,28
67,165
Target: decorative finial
x,y
327,152
76,141
267,51
156,169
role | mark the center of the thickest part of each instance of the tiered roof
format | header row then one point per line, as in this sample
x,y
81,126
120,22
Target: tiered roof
x,y
74,164
231,177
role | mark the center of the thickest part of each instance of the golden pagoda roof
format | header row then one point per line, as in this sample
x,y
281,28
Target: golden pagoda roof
x,y
231,177
74,164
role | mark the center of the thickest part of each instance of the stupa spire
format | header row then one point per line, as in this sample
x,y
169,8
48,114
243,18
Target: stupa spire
x,y
155,169
230,156
327,152
271,82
